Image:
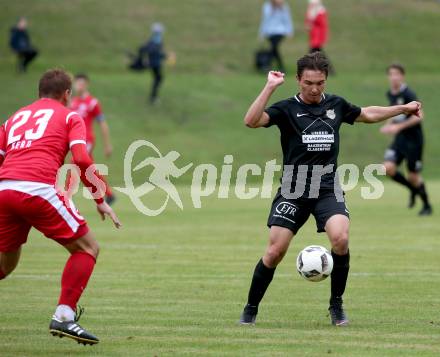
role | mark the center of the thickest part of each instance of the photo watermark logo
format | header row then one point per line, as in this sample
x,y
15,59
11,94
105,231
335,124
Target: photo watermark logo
x,y
297,181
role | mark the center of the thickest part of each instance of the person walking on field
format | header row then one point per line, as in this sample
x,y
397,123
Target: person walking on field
x,y
156,55
20,43
317,25
276,24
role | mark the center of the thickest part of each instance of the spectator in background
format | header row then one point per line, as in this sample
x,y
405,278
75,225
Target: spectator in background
x,y
276,23
156,55
317,25
20,43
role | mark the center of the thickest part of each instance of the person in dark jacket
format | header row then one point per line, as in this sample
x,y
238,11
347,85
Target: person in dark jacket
x,y
20,43
156,55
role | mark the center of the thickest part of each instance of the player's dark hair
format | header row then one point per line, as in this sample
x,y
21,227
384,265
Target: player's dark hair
x,y
396,66
315,61
54,83
82,76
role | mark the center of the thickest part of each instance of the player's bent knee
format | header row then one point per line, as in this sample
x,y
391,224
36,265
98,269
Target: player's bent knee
x,y
414,179
96,250
8,262
92,249
273,256
86,244
5,271
340,243
390,168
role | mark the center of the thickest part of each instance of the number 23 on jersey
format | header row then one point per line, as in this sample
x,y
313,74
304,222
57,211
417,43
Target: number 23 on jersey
x,y
20,138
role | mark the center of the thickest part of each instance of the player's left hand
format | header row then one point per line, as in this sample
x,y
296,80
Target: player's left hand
x,y
412,108
391,129
105,210
108,151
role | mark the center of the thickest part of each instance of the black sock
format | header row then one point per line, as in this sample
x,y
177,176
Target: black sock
x,y
260,281
341,266
423,194
399,178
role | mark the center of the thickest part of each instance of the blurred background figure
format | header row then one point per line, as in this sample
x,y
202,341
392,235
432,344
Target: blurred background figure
x,y
408,141
89,108
151,56
156,55
276,23
20,43
317,25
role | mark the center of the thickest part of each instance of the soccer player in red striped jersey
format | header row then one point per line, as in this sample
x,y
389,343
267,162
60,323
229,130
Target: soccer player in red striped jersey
x,y
33,145
89,108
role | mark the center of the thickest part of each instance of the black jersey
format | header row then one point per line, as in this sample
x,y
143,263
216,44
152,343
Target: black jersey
x,y
310,133
413,133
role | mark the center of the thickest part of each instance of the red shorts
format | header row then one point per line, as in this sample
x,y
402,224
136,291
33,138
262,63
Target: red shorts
x,y
25,204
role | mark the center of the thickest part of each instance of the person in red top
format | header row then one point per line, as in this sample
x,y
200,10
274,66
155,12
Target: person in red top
x,y
89,108
317,24
33,145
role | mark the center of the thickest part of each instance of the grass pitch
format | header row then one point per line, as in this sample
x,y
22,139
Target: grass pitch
x,y
174,285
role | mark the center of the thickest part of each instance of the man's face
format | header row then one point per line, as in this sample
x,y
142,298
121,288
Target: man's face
x,y
311,85
395,77
277,2
80,86
22,23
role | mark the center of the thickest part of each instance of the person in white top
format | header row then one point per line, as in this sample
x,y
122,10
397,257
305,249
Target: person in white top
x,y
276,23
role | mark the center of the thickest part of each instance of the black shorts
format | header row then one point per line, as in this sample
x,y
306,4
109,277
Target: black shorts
x,y
293,213
411,152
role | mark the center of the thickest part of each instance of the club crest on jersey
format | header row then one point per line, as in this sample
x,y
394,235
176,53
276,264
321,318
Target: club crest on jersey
x,y
331,114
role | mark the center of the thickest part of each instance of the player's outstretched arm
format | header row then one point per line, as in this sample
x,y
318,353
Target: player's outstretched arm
x,y
256,117
82,159
376,114
394,128
105,131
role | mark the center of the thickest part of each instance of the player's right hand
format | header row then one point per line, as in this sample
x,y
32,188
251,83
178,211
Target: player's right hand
x,y
275,78
105,210
413,108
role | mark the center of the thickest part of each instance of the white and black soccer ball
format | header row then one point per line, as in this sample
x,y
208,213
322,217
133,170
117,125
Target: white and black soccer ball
x,y
314,263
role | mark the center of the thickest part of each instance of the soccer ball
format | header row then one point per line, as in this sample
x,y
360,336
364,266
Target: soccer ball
x,y
314,263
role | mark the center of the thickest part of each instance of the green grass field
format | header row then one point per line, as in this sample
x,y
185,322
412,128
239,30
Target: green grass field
x,y
175,285
206,95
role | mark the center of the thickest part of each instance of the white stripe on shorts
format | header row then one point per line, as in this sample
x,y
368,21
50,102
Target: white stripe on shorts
x,y
44,191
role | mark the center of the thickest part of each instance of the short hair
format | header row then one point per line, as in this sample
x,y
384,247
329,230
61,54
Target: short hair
x,y
82,76
54,83
396,66
316,61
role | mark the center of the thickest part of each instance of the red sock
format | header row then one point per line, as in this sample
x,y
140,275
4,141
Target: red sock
x,y
78,269
2,275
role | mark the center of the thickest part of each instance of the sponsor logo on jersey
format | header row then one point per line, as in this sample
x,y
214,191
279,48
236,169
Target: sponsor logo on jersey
x,y
318,138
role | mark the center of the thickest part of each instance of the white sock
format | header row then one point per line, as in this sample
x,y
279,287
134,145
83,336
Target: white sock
x,y
64,313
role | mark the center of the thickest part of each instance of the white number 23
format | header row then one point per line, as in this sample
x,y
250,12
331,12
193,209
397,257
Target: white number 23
x,y
42,117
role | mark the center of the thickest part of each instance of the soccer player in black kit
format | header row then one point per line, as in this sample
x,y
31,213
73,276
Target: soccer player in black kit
x,y
309,125
408,140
